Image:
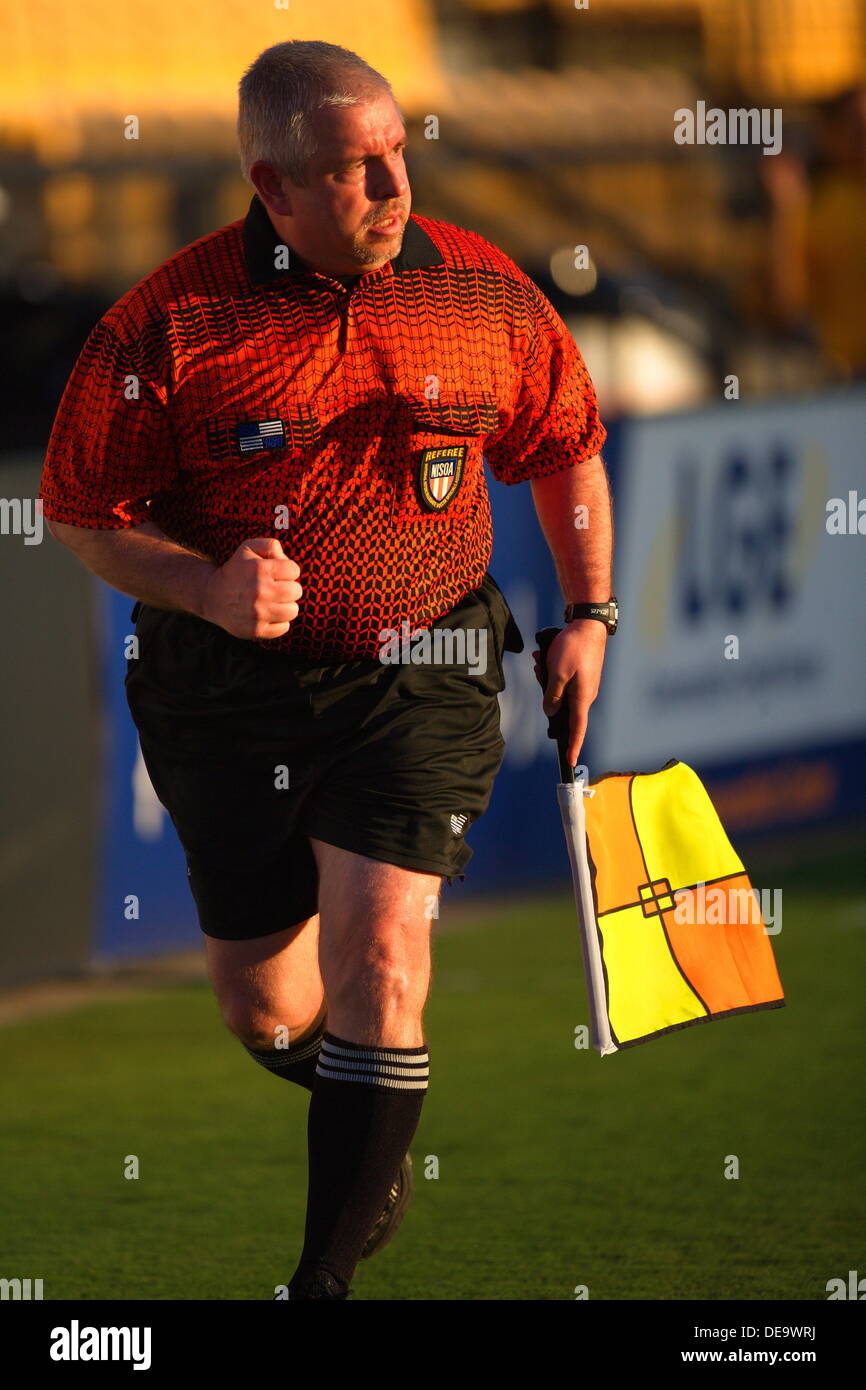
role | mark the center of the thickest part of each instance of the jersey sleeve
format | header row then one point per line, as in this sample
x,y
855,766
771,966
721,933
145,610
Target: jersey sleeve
x,y
554,422
111,447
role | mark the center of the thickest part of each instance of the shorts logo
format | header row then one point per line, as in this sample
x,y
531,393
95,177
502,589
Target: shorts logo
x,y
459,824
260,434
440,476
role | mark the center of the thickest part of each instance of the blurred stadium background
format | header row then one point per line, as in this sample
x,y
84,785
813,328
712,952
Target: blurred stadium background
x,y
722,313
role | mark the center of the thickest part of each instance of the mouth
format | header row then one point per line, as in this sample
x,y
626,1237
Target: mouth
x,y
387,226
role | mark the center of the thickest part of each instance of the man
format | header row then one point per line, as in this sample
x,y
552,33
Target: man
x,y
274,443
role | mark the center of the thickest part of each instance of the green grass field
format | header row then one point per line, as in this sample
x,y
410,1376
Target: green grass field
x,y
556,1168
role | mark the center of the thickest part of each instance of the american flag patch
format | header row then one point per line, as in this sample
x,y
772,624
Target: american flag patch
x,y
260,434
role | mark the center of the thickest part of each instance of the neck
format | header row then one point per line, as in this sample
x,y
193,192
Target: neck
x,y
339,267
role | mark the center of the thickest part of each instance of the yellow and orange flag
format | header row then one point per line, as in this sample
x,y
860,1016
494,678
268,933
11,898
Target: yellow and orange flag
x,y
671,928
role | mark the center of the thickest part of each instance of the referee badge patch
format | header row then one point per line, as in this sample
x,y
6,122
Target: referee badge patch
x,y
440,475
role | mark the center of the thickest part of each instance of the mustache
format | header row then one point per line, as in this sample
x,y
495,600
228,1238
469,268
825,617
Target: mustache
x,y
384,214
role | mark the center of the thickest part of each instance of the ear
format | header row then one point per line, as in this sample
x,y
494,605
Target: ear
x,y
272,187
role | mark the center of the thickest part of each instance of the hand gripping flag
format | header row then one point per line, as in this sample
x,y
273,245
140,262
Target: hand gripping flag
x,y
671,929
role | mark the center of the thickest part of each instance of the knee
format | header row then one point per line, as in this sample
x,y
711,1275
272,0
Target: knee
x,y
253,1026
260,1028
386,977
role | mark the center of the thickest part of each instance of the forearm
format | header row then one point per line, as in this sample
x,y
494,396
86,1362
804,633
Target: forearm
x,y
575,514
143,563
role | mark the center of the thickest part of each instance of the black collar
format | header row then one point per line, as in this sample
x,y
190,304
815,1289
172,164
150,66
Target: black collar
x,y
260,241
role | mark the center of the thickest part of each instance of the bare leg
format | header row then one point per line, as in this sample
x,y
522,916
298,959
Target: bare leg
x,y
269,983
374,954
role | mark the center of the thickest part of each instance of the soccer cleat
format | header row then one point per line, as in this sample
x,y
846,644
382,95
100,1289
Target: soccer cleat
x,y
393,1211
318,1285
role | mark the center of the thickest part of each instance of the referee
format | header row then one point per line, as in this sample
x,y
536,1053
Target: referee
x,y
274,444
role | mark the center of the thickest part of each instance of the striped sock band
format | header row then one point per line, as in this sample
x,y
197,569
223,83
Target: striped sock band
x,y
296,1063
277,1058
393,1068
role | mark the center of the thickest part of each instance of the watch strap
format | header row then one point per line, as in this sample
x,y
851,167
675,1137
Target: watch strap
x,y
606,613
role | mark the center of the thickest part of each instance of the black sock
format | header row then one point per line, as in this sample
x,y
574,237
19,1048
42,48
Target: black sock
x,y
296,1063
364,1111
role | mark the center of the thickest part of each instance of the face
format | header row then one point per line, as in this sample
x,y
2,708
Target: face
x,y
349,217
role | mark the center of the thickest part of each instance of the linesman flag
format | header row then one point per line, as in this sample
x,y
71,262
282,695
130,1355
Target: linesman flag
x,y
671,929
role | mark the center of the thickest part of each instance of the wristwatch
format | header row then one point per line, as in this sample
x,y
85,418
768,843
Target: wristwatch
x,y
607,613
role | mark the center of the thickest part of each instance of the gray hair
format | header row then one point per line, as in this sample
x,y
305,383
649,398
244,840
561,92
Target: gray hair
x,y
281,90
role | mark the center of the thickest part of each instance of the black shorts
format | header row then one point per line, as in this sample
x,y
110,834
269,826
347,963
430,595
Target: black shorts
x,y
252,752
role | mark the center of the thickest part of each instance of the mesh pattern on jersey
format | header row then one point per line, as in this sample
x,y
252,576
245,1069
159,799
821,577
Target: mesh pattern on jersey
x,y
344,389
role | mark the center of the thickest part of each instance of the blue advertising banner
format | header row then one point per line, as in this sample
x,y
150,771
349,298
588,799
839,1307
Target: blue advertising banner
x,y
741,569
145,906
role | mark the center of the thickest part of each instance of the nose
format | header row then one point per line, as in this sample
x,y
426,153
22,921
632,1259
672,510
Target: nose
x,y
388,181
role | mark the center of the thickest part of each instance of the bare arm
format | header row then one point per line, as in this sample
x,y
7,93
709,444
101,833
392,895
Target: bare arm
x,y
574,511
254,594
575,515
141,562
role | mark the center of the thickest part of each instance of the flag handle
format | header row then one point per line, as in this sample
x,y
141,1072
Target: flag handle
x,y
557,724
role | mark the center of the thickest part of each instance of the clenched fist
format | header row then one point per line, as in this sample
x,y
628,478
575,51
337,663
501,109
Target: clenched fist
x,y
256,592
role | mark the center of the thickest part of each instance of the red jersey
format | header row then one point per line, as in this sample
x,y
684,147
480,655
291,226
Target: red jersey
x,y
226,397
